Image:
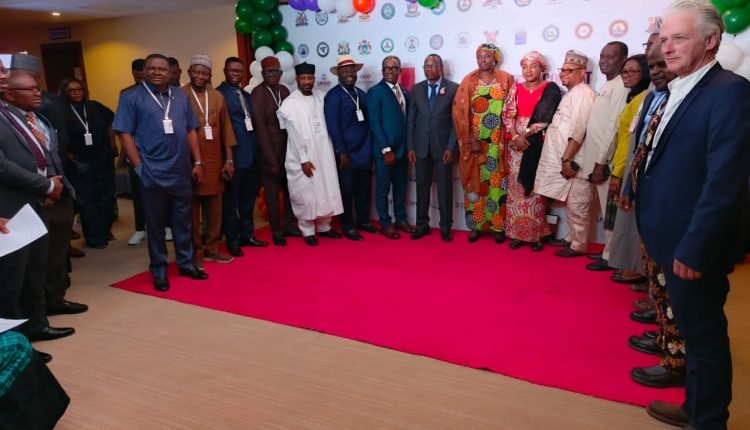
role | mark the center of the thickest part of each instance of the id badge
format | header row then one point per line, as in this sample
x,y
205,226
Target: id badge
x,y
88,139
248,124
209,132
168,129
360,115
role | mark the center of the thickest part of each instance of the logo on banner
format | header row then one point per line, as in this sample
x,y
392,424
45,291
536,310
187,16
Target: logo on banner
x,y
491,36
321,18
520,37
323,82
412,10
301,20
522,3
463,39
344,48
365,78
492,3
440,8
550,33
386,45
388,11
618,28
584,30
411,44
364,47
436,41
464,5
323,49
303,51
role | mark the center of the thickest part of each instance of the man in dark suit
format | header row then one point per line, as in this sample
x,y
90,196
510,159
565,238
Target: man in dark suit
x,y
30,173
692,200
387,103
431,140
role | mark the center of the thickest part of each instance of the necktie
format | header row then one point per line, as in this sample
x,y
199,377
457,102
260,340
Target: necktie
x,y
31,118
433,93
639,159
41,161
399,98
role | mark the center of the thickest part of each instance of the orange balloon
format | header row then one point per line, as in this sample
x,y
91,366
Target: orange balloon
x,y
364,6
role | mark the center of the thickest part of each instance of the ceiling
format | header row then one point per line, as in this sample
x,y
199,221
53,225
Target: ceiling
x,y
16,13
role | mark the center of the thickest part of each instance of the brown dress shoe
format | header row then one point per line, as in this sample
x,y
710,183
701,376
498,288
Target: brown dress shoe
x,y
76,252
644,304
406,228
668,413
390,232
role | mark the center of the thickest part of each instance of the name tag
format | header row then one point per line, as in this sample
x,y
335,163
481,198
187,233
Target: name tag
x,y
360,115
248,124
209,132
88,139
168,129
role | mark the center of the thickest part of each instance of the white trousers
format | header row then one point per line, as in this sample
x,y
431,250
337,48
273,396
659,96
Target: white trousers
x,y
307,226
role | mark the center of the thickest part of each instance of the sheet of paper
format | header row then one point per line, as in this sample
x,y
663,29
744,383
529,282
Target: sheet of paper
x,y
6,324
25,227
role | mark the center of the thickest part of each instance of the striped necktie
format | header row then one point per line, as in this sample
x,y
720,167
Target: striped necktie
x,y
399,98
40,137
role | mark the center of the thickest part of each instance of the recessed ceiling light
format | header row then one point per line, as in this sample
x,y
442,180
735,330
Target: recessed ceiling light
x,y
56,14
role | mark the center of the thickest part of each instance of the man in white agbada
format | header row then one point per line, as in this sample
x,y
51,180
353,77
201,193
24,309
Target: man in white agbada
x,y
310,164
559,175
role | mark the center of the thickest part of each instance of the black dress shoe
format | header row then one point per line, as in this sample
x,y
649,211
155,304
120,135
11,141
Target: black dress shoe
x,y
657,377
420,233
644,344
353,235
66,307
50,333
161,284
559,242
668,413
651,334
446,235
537,246
368,228
596,256
599,265
46,358
645,317
293,232
641,287
390,232
235,251
251,241
406,228
473,236
311,240
515,244
330,234
569,253
193,273
279,241
500,237
619,278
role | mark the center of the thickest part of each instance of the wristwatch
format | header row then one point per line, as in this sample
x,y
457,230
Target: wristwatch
x,y
386,150
198,163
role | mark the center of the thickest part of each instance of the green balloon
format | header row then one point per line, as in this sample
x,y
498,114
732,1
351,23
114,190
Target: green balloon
x,y
261,38
278,32
736,19
242,26
283,46
260,20
429,4
266,5
720,6
276,17
244,10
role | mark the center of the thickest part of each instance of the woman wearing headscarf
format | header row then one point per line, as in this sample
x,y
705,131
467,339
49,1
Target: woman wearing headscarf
x,y
477,115
529,110
92,151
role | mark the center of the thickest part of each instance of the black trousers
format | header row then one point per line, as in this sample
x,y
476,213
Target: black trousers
x,y
94,182
136,193
22,284
276,191
356,193
425,168
238,205
59,226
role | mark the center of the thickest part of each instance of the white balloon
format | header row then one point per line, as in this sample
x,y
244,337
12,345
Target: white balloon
x,y
345,8
327,5
743,41
255,68
730,56
263,52
288,77
286,61
744,68
254,82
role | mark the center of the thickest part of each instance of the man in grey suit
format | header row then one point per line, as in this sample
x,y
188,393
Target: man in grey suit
x,y
431,141
30,173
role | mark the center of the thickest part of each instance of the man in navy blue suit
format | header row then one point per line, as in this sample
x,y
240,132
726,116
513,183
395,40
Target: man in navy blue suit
x,y
346,118
387,103
692,200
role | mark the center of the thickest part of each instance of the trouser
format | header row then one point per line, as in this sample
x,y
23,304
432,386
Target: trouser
x,y
578,204
59,226
136,193
356,192
210,207
698,308
24,273
385,177
239,202
307,226
168,206
94,182
272,188
600,193
668,335
425,167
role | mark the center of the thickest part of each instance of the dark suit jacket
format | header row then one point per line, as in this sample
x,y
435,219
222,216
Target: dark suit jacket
x,y
349,136
387,122
431,131
692,199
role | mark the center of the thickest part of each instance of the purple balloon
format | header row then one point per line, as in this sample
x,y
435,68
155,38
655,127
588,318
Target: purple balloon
x,y
411,1
312,5
297,4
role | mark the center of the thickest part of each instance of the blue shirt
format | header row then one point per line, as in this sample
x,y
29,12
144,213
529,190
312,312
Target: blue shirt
x,y
437,87
247,143
655,102
348,134
165,158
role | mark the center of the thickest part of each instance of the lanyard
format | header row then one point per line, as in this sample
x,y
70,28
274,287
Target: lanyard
x,y
85,120
277,100
242,102
161,105
356,101
204,112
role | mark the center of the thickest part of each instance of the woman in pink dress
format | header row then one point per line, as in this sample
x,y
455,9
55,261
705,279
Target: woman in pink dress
x,y
531,107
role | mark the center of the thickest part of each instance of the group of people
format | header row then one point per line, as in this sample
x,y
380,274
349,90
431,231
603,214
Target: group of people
x,y
661,147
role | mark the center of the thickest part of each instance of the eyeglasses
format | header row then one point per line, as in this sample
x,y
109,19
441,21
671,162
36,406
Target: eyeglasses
x,y
32,89
272,71
431,66
391,68
562,71
630,72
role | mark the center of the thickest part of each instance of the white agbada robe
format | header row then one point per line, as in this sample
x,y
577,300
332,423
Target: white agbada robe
x,y
303,118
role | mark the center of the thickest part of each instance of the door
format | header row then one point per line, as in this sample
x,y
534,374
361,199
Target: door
x,y
62,60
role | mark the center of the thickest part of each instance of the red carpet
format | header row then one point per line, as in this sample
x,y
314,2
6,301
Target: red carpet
x,y
527,315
